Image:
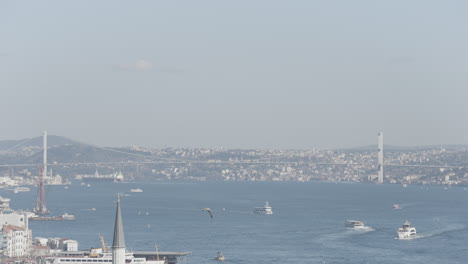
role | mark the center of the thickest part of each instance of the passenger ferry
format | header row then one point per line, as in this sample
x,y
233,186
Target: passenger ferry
x,y
21,189
266,209
68,217
406,231
81,257
355,224
138,190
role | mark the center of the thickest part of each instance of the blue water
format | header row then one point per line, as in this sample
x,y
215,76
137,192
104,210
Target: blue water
x,y
306,227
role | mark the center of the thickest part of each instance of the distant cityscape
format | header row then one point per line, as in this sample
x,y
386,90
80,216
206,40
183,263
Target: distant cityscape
x,y
70,160
66,162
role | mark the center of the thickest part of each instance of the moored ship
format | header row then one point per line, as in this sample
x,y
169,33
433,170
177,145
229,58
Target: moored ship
x,y
64,217
80,257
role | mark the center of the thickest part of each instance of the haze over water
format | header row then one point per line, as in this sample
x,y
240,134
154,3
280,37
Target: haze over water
x,y
307,225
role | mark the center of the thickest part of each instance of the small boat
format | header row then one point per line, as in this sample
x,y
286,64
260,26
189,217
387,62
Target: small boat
x,y
68,217
21,189
219,256
266,209
355,224
396,206
137,190
406,231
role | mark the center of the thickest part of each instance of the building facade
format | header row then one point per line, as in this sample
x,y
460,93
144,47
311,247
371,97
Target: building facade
x,y
15,241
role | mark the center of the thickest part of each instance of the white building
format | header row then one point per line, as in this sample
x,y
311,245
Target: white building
x,y
15,241
54,180
69,245
4,204
13,218
7,181
15,236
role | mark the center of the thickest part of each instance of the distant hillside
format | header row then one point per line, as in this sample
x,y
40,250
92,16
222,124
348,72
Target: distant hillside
x,y
84,153
395,148
64,150
52,141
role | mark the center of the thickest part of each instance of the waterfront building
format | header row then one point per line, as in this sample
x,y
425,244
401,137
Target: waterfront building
x,y
4,204
13,218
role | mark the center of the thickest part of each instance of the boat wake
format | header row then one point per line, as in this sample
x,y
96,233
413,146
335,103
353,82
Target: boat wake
x,y
406,205
89,209
347,233
364,229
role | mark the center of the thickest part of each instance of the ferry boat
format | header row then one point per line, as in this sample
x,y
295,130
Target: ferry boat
x,y
68,217
21,189
355,224
82,258
64,217
406,231
266,209
136,190
115,177
219,256
396,206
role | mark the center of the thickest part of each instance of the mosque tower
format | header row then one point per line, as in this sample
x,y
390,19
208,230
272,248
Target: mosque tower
x,y
118,245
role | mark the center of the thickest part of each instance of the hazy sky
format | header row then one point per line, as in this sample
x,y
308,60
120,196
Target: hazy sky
x,y
269,74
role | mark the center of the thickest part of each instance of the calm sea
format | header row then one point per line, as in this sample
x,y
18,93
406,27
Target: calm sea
x,y
307,225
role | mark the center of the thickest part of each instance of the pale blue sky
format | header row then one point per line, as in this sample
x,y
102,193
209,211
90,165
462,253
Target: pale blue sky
x,y
247,74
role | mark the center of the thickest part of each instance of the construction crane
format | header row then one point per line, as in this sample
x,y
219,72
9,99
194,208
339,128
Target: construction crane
x,y
103,243
157,251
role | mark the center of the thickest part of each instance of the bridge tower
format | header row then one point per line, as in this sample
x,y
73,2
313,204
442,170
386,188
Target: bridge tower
x,y
41,207
380,157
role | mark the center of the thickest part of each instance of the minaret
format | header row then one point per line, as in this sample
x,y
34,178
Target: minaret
x,y
380,156
118,245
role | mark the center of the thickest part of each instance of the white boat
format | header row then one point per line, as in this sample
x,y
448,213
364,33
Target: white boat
x,y
396,206
406,231
266,209
80,258
21,189
66,216
136,190
355,224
